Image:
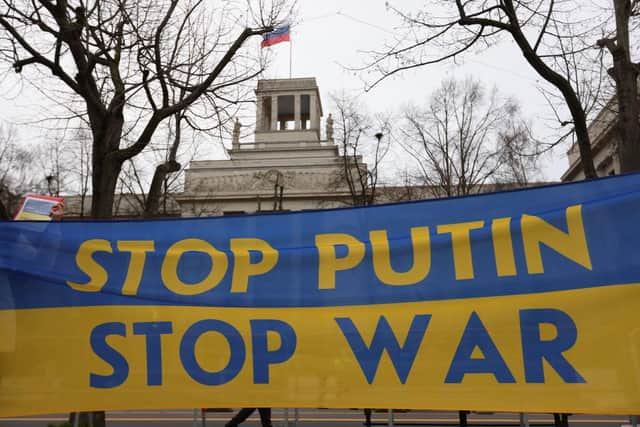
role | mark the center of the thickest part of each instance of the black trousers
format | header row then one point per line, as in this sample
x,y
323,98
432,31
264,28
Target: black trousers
x,y
244,413
367,417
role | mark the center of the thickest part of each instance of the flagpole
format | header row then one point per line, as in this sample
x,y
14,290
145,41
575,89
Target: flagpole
x,y
290,54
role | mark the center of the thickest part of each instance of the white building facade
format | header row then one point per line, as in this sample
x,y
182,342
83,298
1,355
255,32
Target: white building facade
x,y
289,166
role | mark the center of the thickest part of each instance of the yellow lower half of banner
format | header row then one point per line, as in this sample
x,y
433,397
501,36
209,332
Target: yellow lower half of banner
x,y
146,357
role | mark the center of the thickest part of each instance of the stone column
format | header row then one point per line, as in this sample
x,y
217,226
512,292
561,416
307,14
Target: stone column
x,y
259,113
274,113
235,143
296,112
314,116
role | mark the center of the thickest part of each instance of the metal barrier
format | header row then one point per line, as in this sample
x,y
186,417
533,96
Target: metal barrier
x,y
296,418
291,417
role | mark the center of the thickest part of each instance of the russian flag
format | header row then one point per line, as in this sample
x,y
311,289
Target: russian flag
x,y
280,34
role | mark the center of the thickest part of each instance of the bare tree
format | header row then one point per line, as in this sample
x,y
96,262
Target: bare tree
x,y
517,155
443,30
363,141
407,186
80,165
465,138
16,171
147,195
625,75
159,182
122,62
54,159
56,167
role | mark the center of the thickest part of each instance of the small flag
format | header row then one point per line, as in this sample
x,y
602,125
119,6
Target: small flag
x,y
280,34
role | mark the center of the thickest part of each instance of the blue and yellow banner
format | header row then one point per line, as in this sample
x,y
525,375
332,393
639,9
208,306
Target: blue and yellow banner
x,y
516,301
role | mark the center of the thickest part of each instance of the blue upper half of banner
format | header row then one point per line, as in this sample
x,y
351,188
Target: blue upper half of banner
x,y
542,239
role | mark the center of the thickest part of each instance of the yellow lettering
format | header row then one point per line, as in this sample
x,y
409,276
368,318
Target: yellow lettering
x,y
98,276
461,243
169,269
503,247
572,244
138,250
329,263
242,266
421,245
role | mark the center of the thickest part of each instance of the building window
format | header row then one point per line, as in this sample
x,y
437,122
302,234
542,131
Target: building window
x,y
286,106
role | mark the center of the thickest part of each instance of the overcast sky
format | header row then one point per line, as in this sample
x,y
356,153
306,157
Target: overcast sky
x,y
331,34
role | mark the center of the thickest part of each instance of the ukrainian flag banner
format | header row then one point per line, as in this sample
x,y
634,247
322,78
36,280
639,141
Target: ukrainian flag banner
x,y
516,301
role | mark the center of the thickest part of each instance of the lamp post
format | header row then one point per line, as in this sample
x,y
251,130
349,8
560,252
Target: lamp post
x,y
373,177
278,187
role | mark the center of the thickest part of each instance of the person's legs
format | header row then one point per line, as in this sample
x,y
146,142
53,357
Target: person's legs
x,y
265,416
367,417
242,415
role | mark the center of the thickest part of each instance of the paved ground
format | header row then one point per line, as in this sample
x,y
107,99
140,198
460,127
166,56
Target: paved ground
x,y
318,418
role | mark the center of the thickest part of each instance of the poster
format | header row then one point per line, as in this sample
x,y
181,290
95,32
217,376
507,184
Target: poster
x,y
37,207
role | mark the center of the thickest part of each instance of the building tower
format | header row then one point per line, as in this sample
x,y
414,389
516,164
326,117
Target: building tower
x,y
288,166
289,110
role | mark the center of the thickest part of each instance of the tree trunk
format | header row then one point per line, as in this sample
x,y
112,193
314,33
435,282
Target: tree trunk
x,y
106,164
577,113
152,206
625,74
584,142
105,179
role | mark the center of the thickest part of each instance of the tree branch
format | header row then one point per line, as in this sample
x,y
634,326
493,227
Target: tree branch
x,y
38,58
200,89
